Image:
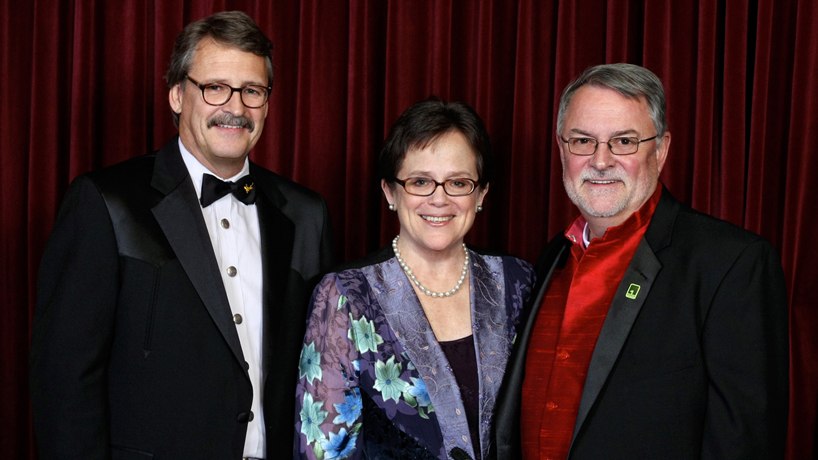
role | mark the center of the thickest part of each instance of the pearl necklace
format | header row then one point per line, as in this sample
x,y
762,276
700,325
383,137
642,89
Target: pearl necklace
x,y
420,286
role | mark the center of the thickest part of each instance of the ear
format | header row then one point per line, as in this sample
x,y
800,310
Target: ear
x,y
388,192
482,195
562,146
175,98
661,152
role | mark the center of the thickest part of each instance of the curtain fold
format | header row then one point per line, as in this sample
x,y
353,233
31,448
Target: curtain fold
x,y
84,88
799,246
732,132
528,177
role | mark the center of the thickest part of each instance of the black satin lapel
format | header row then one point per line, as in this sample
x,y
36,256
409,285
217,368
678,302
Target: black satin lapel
x,y
507,409
180,218
277,237
628,301
555,259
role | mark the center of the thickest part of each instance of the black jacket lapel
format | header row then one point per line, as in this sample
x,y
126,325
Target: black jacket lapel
x,y
277,235
180,218
507,409
629,298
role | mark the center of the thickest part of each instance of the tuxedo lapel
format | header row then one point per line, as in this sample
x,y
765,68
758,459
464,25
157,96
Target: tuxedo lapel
x,y
554,258
507,410
180,217
629,298
277,236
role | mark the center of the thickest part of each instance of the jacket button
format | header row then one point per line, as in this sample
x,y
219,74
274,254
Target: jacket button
x,y
243,417
251,417
225,223
231,271
237,318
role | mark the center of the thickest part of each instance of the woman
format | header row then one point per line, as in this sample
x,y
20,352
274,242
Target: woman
x,y
405,349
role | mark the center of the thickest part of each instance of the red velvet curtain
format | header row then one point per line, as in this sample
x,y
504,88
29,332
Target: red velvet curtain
x,y
82,88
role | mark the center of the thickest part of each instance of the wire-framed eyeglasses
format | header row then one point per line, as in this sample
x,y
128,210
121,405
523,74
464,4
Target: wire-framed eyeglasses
x,y
252,96
424,186
586,146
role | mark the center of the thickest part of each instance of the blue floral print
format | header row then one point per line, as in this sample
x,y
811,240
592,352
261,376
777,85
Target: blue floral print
x,y
350,409
419,392
418,396
340,445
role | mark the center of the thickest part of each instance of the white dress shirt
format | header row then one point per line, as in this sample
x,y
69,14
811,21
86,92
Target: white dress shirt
x,y
236,239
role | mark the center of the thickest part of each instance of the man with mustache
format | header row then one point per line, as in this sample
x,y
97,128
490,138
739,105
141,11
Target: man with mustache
x,y
657,331
173,291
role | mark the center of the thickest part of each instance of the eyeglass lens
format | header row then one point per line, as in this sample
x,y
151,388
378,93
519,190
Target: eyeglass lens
x,y
218,94
453,187
588,145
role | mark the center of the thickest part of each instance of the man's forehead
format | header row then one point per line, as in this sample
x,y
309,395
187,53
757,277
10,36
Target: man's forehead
x,y
215,60
593,105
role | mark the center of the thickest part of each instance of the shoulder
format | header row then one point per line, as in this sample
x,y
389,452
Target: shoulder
x,y
698,224
678,225
346,286
502,256
126,175
516,270
121,183
696,249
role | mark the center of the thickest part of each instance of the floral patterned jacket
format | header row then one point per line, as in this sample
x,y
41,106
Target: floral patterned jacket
x,y
374,382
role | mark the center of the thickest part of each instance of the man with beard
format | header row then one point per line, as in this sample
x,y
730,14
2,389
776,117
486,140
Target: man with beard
x,y
173,291
657,331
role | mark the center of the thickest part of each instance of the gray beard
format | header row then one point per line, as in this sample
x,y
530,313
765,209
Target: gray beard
x,y
637,194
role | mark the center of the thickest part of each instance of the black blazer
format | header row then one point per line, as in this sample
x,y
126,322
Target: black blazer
x,y
695,367
134,352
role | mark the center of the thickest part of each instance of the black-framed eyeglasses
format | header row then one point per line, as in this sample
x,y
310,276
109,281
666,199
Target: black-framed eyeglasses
x,y
252,96
586,146
423,186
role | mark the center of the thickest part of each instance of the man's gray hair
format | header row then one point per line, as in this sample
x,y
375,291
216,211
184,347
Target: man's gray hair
x,y
233,29
631,81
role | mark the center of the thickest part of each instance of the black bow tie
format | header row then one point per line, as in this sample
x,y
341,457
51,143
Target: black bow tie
x,y
214,188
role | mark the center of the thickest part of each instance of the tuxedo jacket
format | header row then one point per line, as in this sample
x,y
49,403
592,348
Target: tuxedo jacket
x,y
134,352
694,367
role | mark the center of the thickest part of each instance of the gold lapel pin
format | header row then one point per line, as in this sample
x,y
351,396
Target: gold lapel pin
x,y
247,188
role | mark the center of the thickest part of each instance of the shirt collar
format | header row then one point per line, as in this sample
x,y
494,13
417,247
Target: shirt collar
x,y
579,233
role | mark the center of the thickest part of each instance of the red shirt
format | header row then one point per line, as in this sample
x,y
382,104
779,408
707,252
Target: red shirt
x,y
567,327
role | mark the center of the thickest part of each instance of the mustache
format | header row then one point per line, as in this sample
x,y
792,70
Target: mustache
x,y
227,119
601,175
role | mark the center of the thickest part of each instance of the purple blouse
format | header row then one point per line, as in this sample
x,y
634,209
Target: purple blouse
x,y
375,383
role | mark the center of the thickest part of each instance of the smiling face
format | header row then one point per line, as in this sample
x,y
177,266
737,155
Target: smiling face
x,y
220,137
436,223
608,188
